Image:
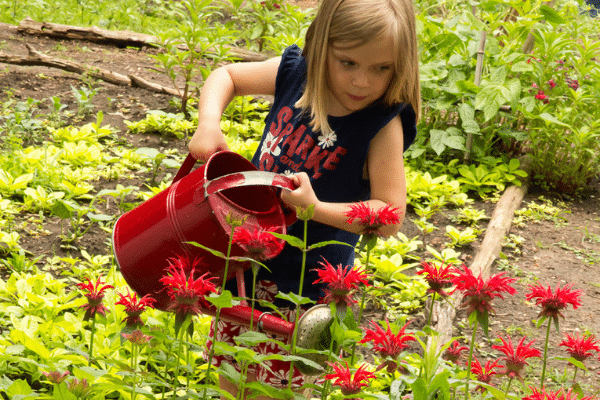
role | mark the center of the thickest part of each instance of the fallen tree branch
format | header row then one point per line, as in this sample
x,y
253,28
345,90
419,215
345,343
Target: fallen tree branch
x,y
35,58
489,250
118,38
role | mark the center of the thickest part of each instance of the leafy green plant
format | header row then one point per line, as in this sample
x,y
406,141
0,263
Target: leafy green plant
x,y
158,161
84,98
460,238
469,215
186,45
165,124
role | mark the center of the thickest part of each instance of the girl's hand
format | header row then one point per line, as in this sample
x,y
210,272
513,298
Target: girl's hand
x,y
303,196
207,140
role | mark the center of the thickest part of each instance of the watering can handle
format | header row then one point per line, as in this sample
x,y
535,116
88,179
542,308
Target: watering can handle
x,y
185,168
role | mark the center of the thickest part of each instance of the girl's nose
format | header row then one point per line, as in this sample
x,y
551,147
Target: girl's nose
x,y
360,79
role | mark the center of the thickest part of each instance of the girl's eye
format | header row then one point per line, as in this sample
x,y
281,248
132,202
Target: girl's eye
x,y
384,68
347,63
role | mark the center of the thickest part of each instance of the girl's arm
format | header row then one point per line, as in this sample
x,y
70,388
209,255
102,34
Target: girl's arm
x,y
222,85
387,179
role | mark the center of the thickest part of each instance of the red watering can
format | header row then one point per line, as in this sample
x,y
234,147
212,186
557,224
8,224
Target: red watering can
x,y
194,209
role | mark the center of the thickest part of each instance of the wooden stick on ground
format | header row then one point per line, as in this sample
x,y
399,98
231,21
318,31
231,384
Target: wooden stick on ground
x,y
35,58
118,38
489,250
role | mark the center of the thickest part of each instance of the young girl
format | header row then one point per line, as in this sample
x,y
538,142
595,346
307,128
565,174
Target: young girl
x,y
344,110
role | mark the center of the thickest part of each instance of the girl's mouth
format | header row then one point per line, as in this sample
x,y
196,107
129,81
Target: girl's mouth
x,y
357,98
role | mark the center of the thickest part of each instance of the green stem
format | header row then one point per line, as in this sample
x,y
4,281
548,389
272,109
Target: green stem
x,y
508,387
218,313
91,350
134,350
545,354
471,347
187,358
575,374
177,361
325,390
431,309
254,273
297,314
362,305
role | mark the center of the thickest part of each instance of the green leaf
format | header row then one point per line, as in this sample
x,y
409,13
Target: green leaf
x,y
19,387
551,118
294,298
37,346
61,210
212,251
291,240
419,388
222,300
551,15
327,243
61,392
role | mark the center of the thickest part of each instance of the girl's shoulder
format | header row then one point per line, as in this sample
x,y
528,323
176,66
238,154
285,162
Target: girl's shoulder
x,y
292,61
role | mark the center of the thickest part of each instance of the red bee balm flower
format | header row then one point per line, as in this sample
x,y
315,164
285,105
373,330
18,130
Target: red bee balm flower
x,y
56,377
453,352
437,278
387,344
137,337
186,292
134,307
478,292
373,220
95,295
553,303
349,384
542,96
258,242
560,394
341,282
580,347
484,374
515,359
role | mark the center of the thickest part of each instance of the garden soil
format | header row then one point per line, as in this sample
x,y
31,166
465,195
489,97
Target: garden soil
x,y
558,251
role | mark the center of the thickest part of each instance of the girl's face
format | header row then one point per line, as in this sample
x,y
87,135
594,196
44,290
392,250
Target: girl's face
x,y
358,76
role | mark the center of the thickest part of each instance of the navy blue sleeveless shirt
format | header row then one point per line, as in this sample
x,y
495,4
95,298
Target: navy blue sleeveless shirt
x,y
334,163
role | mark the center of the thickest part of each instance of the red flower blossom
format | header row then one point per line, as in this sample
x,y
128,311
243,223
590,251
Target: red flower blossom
x,y
341,282
94,295
437,278
348,383
560,394
187,293
542,96
515,358
551,83
137,337
478,292
484,374
572,83
56,377
388,344
553,303
258,243
134,307
453,353
580,347
373,220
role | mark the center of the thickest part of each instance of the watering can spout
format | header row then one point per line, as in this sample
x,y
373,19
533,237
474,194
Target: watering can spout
x,y
262,321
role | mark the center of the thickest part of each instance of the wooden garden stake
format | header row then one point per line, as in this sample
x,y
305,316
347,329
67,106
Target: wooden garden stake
x,y
477,81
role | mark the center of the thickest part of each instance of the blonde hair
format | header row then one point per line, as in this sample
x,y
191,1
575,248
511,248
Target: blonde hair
x,y
358,22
